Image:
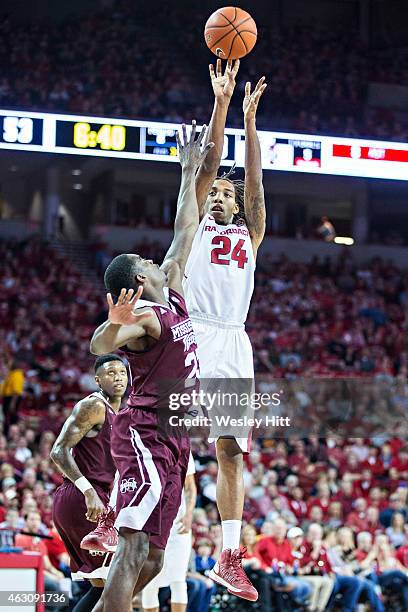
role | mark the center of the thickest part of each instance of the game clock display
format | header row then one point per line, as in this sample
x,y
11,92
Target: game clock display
x,y
97,136
156,141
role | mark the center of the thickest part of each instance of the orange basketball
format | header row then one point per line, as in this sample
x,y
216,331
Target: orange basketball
x,y
230,33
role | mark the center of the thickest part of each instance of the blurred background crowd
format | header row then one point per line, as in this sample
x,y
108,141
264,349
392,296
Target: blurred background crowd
x,y
327,506
131,61
317,320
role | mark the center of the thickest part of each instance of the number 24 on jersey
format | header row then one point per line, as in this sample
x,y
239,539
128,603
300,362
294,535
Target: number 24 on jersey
x,y
224,252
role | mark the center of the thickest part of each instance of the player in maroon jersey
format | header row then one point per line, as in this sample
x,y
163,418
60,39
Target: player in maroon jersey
x,y
159,343
82,454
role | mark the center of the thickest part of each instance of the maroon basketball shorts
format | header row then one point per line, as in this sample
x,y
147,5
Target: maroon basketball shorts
x,y
69,511
152,468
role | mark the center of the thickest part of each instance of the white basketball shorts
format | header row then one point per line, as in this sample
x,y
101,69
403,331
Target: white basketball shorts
x,y
224,351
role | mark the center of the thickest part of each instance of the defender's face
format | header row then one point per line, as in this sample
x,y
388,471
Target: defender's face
x,y
155,276
221,202
112,377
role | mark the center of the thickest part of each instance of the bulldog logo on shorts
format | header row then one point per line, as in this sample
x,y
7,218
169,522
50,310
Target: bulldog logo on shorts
x,y
128,485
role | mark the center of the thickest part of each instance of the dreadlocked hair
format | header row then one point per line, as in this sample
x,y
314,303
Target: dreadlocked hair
x,y
239,186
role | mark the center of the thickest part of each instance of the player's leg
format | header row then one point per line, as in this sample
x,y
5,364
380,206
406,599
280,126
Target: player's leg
x,y
179,597
238,366
228,571
150,597
178,554
230,490
90,599
151,568
130,556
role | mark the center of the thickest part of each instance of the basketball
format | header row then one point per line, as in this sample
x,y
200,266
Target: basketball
x,y
230,33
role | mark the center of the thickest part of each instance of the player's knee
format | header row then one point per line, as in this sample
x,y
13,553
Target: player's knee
x,y
179,592
133,547
229,454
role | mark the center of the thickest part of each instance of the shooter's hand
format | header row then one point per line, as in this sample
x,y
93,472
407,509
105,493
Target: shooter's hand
x,y
251,100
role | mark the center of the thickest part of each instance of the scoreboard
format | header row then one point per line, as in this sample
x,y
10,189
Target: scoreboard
x,y
155,141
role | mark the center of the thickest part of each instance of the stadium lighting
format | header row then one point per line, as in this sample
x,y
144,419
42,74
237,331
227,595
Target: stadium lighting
x,y
344,240
77,186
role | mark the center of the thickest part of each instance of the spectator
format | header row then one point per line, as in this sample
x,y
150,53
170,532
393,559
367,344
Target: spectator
x,y
396,504
200,589
12,391
315,561
322,586
275,551
345,562
34,543
204,562
255,568
397,530
389,572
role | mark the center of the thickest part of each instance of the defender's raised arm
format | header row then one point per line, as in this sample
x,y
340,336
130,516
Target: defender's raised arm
x,y
187,220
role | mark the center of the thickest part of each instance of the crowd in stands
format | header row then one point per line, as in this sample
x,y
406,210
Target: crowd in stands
x,y
130,61
325,517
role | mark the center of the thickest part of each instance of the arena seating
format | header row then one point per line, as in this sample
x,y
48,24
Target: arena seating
x,y
318,78
322,319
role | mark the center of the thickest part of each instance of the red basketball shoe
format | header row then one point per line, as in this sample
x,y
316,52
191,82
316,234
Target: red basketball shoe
x,y
104,538
228,572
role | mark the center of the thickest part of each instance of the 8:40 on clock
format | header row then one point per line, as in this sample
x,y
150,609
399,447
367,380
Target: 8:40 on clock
x,y
106,137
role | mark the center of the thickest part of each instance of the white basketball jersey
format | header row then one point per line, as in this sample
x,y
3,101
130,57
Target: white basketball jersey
x,y
219,275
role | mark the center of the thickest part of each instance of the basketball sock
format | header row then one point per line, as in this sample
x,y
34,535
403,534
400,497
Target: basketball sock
x,y
88,601
231,533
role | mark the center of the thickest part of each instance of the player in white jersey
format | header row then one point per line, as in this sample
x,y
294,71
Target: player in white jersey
x,y
218,285
177,553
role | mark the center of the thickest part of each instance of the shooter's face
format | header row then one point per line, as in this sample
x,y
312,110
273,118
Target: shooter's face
x,y
112,377
221,202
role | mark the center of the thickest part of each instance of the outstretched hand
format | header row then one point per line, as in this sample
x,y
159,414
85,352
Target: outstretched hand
x,y
122,313
224,84
251,100
190,153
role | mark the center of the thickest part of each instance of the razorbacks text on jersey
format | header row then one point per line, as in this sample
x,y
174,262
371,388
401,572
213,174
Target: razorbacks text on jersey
x,y
219,276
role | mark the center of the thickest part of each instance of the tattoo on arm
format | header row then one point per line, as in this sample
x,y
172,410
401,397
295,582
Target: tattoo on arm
x,y
85,416
255,211
255,215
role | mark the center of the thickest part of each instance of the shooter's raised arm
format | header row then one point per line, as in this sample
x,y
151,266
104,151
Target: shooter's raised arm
x,y
254,201
223,86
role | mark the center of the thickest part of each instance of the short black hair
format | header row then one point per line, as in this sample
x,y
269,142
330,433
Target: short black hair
x,y
99,361
120,274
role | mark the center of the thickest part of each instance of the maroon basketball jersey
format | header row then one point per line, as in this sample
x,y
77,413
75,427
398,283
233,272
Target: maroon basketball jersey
x,y
93,455
171,365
